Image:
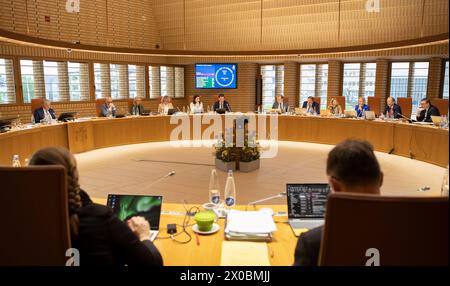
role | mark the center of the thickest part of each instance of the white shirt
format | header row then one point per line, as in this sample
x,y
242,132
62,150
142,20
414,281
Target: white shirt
x,y
196,107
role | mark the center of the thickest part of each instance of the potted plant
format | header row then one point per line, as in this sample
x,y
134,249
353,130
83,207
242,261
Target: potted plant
x,y
249,158
225,158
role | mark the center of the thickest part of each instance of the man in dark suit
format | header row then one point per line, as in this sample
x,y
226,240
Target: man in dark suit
x,y
137,108
280,104
45,112
392,109
311,106
342,177
426,110
108,109
222,104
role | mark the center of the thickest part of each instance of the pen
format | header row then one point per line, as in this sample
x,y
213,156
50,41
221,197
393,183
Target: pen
x,y
271,251
197,238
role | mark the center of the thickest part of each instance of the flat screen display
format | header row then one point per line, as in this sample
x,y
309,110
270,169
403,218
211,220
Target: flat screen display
x,y
215,76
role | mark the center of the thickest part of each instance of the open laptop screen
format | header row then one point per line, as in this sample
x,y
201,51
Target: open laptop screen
x,y
307,200
127,206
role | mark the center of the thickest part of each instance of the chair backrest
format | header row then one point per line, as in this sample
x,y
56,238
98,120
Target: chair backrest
x,y
317,99
374,104
34,211
441,104
404,230
36,103
98,105
340,100
406,105
130,103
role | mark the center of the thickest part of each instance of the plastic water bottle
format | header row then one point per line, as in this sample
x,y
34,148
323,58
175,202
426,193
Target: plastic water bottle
x,y
16,161
214,189
230,191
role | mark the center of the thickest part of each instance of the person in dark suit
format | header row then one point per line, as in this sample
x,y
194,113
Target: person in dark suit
x,y
108,109
311,106
279,104
98,234
392,110
342,177
222,103
137,108
45,112
426,110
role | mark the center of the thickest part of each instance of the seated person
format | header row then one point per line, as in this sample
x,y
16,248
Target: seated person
x,y
165,105
361,107
222,103
392,110
137,108
342,177
196,105
311,106
101,238
334,107
426,110
279,104
108,109
45,112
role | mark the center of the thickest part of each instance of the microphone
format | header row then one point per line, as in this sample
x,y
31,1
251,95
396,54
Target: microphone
x,y
170,174
404,117
280,195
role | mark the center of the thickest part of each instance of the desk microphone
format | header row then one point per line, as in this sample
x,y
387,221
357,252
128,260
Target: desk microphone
x,y
404,117
280,195
170,174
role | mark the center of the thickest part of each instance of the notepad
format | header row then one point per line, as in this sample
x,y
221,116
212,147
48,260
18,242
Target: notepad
x,y
250,222
236,253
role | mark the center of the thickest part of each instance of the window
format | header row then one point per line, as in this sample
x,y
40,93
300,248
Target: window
x,y
358,80
445,87
136,81
419,84
154,81
7,86
26,71
410,80
78,81
272,84
314,82
172,81
51,81
114,81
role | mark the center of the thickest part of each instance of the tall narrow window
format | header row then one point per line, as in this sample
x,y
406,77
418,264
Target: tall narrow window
x,y
172,81
445,87
419,84
33,84
78,81
410,80
51,81
7,87
179,82
164,81
272,84
154,81
114,81
314,82
358,81
102,80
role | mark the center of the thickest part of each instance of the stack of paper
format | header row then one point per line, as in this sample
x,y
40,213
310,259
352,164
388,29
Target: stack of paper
x,y
251,225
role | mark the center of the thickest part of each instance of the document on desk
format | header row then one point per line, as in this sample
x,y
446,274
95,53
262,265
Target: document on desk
x,y
250,222
236,253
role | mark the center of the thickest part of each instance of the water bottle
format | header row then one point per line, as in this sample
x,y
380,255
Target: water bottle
x,y
214,190
230,191
26,162
16,161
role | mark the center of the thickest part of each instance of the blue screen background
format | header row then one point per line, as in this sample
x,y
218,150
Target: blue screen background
x,y
216,76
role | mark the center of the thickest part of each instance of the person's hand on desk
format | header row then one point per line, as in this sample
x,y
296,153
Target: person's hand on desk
x,y
140,226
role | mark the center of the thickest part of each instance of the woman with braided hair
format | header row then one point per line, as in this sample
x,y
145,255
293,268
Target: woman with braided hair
x,y
100,237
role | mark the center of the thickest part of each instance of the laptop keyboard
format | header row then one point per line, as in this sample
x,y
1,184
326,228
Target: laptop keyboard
x,y
309,224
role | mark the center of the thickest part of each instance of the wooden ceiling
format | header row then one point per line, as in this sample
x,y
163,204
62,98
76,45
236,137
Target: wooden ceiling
x,y
226,25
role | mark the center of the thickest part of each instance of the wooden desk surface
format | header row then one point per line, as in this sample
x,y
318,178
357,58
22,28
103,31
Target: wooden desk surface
x,y
208,252
424,143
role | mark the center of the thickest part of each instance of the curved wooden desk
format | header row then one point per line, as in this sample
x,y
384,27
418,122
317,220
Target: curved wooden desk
x,y
425,143
281,248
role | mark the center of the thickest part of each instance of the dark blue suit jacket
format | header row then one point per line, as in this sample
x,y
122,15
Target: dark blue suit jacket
x,y
39,114
315,106
396,109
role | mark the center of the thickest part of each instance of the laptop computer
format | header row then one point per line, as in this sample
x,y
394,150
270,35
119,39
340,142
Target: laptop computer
x,y
350,113
306,205
128,206
437,120
370,115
